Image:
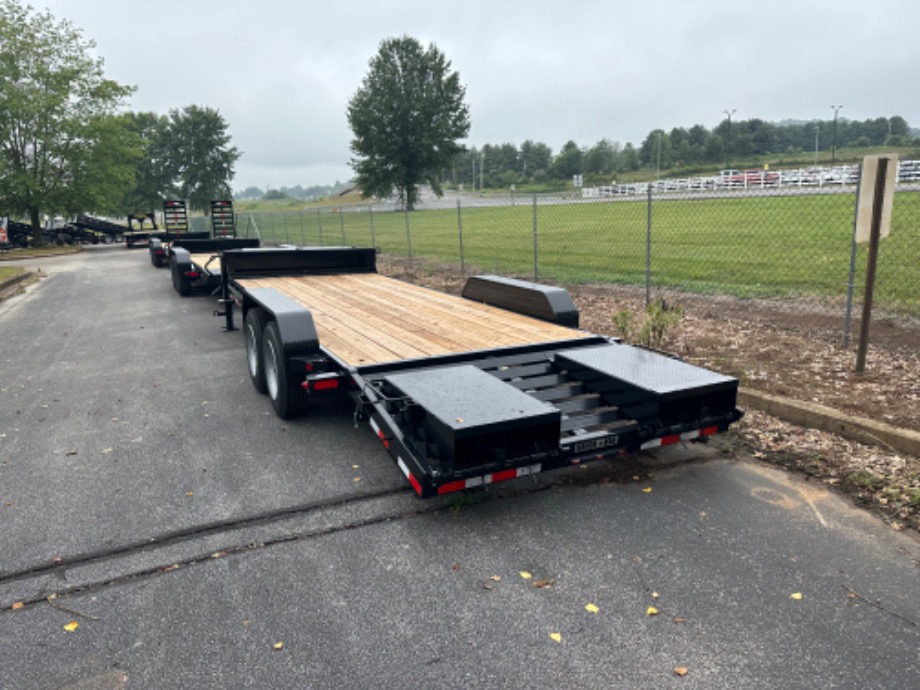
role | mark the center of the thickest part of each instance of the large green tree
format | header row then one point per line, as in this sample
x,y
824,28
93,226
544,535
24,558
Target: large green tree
x,y
152,180
407,118
61,145
200,158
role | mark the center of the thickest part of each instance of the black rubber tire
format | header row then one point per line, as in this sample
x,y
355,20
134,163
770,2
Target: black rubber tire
x,y
253,332
180,280
156,260
288,397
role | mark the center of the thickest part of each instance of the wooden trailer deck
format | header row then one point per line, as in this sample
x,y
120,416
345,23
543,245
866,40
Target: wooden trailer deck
x,y
209,262
367,318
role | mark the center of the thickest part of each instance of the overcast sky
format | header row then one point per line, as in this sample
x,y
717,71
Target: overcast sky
x,y
281,72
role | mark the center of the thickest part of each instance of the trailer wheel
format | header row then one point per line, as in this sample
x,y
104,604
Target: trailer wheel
x,y
180,281
288,398
254,328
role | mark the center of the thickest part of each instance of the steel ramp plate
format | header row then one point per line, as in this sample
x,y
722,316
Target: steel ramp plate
x,y
650,371
476,419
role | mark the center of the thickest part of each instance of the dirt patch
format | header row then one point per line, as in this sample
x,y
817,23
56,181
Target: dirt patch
x,y
782,350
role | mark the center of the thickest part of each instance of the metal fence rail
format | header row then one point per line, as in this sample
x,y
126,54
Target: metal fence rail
x,y
762,249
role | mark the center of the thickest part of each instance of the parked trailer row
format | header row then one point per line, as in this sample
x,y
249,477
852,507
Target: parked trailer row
x,y
195,264
461,391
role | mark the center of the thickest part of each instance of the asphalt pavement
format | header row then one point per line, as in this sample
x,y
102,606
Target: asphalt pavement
x,y
161,528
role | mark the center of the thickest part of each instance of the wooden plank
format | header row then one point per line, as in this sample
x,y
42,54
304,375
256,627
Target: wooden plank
x,y
208,262
369,318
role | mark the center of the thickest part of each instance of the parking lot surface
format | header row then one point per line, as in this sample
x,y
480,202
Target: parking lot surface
x,y
162,528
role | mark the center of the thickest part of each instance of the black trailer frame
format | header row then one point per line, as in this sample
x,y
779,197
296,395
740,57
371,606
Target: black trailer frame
x,y
466,419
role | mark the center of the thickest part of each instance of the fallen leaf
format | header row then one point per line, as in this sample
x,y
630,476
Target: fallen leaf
x,y
455,566
58,560
17,605
654,595
680,620
651,611
278,645
354,467
70,627
356,479
540,584
526,575
681,671
647,490
218,554
71,452
591,608
496,578
797,596
189,493
555,637
106,450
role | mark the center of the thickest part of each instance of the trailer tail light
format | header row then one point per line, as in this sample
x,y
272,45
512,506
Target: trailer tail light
x,y
323,384
193,274
677,438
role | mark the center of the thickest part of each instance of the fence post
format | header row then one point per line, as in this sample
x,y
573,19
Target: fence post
x,y
408,235
851,281
342,224
370,210
319,220
871,261
648,250
536,273
303,233
460,232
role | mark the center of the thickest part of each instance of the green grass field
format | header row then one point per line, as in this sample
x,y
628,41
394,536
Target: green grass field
x,y
7,272
757,246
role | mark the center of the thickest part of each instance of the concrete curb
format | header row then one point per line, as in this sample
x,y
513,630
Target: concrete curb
x,y
15,280
816,416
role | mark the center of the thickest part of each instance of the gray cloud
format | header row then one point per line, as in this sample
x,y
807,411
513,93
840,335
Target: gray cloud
x,y
281,71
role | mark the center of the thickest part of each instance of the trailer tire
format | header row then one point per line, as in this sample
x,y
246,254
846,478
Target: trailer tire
x,y
254,330
288,397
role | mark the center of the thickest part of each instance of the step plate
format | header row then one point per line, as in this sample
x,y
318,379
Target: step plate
x,y
476,419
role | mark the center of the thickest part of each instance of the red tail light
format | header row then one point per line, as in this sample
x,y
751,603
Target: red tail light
x,y
325,384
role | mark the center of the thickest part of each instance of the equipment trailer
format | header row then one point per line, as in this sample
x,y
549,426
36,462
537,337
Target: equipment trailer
x,y
195,264
460,392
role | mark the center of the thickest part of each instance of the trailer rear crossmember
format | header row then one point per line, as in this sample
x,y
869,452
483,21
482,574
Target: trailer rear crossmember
x,y
452,411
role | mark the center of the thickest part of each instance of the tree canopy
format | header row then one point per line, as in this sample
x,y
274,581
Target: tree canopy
x,y
200,159
407,118
62,146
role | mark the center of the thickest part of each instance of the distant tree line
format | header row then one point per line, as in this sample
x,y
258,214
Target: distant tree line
x,y
503,165
296,192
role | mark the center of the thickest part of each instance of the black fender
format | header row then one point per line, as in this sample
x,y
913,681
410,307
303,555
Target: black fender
x,y
295,322
553,304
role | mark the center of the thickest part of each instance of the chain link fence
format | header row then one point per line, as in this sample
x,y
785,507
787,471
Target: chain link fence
x,y
781,255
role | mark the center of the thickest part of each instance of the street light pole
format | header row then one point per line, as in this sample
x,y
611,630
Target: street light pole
x,y
817,129
658,164
729,113
834,144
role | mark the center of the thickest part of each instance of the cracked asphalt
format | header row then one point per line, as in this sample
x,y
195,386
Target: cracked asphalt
x,y
149,495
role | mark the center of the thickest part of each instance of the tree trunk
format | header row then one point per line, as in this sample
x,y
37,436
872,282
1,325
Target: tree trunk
x,y
38,233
